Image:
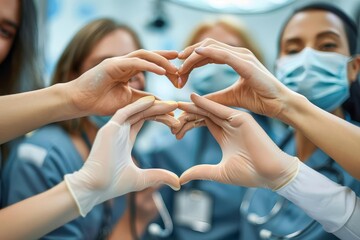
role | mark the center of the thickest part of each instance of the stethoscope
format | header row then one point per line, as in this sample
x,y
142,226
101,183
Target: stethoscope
x,y
281,203
154,229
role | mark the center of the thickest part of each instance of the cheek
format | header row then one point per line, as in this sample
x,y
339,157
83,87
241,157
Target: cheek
x,y
5,46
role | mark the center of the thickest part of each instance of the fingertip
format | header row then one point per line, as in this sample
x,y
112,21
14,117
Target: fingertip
x,y
171,102
146,99
181,54
179,136
161,70
185,182
194,96
175,188
199,50
184,179
179,82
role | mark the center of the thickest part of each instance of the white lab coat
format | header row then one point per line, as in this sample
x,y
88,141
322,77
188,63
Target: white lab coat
x,y
335,207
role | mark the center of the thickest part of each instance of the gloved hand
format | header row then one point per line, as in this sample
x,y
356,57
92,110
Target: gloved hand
x,y
110,171
250,157
256,90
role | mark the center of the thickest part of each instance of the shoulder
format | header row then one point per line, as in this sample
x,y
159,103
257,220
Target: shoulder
x,y
38,162
47,147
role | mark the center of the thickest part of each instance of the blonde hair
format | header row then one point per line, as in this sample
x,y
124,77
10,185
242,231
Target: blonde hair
x,y
231,25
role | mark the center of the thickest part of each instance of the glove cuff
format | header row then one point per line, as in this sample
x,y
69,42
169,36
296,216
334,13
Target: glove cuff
x,y
84,197
288,175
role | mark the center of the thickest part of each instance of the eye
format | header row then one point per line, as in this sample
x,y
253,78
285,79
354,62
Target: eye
x,y
292,50
328,47
4,33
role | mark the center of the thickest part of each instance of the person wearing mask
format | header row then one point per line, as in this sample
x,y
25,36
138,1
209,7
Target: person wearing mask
x,y
202,210
321,68
252,159
270,98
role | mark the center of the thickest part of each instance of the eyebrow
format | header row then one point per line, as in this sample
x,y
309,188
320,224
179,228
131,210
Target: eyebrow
x,y
326,33
292,40
319,35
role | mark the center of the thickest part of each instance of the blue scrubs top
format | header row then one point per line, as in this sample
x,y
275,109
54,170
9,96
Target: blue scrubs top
x,y
178,156
291,218
39,163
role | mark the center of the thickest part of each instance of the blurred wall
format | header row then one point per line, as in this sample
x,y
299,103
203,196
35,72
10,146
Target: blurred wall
x,y
64,17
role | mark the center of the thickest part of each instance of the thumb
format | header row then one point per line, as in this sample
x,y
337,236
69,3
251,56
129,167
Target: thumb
x,y
135,128
215,108
126,112
225,97
156,177
200,172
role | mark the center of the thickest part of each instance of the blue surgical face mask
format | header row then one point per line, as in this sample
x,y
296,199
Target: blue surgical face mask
x,y
320,76
212,77
99,121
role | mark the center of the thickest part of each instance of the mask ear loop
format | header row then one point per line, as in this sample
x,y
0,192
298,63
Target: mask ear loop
x,y
351,59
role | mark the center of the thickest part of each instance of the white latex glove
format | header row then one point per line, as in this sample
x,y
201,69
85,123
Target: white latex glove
x,y
250,157
110,171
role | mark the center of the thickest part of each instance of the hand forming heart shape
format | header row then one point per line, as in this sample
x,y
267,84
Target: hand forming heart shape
x,y
256,90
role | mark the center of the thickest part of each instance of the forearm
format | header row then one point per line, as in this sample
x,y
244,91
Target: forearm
x,y
326,131
21,113
328,203
38,215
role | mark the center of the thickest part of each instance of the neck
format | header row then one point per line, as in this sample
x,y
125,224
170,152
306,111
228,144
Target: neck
x,y
304,147
80,144
90,130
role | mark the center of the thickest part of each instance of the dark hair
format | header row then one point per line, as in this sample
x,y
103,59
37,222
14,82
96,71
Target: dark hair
x,y
349,24
78,49
20,70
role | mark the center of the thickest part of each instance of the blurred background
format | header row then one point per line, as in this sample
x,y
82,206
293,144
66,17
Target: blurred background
x,y
166,24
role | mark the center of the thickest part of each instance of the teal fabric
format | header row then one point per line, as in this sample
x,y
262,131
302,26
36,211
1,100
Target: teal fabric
x,y
24,178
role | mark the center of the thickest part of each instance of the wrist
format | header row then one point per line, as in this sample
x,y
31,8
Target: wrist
x,y
288,174
85,196
294,105
66,104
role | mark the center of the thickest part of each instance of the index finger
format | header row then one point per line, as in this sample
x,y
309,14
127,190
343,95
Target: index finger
x,y
158,108
189,50
124,113
157,58
168,54
214,108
